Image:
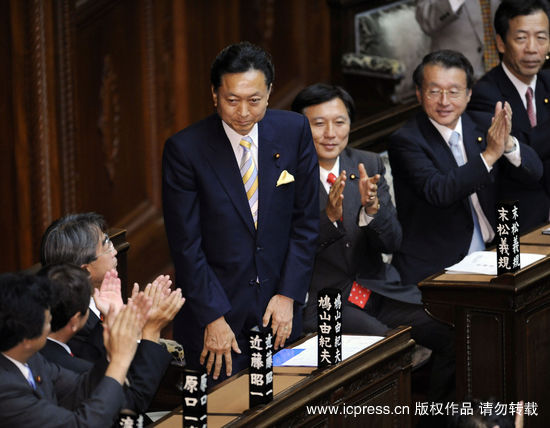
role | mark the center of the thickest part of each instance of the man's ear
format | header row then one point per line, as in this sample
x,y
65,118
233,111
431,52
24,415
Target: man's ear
x,y
501,46
86,267
74,322
214,96
418,95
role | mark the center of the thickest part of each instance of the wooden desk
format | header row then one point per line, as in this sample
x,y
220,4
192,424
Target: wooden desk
x,y
377,376
502,329
536,237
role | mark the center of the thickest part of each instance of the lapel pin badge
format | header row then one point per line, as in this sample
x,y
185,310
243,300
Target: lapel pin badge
x,y
276,156
546,101
352,176
479,139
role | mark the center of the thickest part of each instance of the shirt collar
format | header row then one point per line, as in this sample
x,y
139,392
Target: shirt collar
x,y
235,138
93,308
323,173
63,345
23,368
446,132
518,84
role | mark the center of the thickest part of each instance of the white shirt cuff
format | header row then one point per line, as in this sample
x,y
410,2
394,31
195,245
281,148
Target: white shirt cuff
x,y
364,218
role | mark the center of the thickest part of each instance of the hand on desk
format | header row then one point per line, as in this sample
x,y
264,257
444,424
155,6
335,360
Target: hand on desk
x,y
280,310
219,340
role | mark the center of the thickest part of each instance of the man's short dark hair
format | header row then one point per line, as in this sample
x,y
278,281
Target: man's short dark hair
x,y
72,289
319,93
445,58
72,239
239,58
509,9
23,301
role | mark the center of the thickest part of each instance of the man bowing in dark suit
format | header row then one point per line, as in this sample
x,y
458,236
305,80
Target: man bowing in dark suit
x,y
444,168
358,223
522,29
240,208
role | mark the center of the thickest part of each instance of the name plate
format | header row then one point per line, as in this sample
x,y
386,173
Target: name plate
x,y
194,399
508,259
329,327
261,367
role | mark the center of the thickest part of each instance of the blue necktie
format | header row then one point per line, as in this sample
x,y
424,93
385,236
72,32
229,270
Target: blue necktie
x,y
30,379
477,243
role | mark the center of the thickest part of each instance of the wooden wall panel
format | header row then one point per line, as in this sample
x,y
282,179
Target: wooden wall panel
x,y
97,87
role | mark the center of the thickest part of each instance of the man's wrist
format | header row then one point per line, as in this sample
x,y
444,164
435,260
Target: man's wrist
x,y
513,142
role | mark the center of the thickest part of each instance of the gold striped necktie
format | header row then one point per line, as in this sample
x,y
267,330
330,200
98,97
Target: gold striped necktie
x,y
249,173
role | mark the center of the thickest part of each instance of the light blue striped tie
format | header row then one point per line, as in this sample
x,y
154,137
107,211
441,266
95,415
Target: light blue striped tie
x,y
249,173
30,378
477,243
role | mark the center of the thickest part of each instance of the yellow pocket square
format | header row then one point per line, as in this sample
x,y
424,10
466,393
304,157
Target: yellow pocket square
x,y
285,178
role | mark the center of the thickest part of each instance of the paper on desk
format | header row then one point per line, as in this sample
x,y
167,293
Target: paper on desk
x,y
305,354
485,263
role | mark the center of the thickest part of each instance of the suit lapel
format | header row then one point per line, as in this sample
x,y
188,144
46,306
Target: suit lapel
x,y
472,140
269,168
223,163
510,93
473,11
10,367
440,148
352,199
542,98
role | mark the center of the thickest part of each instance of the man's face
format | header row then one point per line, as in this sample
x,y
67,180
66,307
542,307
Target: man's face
x,y
330,124
105,259
526,45
444,94
241,100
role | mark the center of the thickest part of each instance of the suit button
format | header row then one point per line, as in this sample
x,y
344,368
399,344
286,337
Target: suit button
x,y
258,249
252,282
348,244
479,49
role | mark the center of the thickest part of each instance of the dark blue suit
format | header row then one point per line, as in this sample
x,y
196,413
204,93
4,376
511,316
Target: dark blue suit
x,y
62,397
534,199
217,253
432,191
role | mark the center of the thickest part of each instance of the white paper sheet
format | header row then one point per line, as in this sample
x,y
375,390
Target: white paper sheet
x,y
485,263
351,344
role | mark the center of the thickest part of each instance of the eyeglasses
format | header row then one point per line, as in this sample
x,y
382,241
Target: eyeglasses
x,y
110,246
435,93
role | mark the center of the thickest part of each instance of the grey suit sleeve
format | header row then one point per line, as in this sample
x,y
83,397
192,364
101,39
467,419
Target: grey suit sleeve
x,y
433,15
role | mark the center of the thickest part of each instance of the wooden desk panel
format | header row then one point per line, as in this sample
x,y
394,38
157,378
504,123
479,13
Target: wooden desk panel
x,y
536,237
501,330
378,375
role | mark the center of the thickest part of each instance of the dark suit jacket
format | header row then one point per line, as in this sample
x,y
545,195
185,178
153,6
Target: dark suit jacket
x,y
145,373
55,353
87,343
432,191
217,253
350,253
62,397
534,199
